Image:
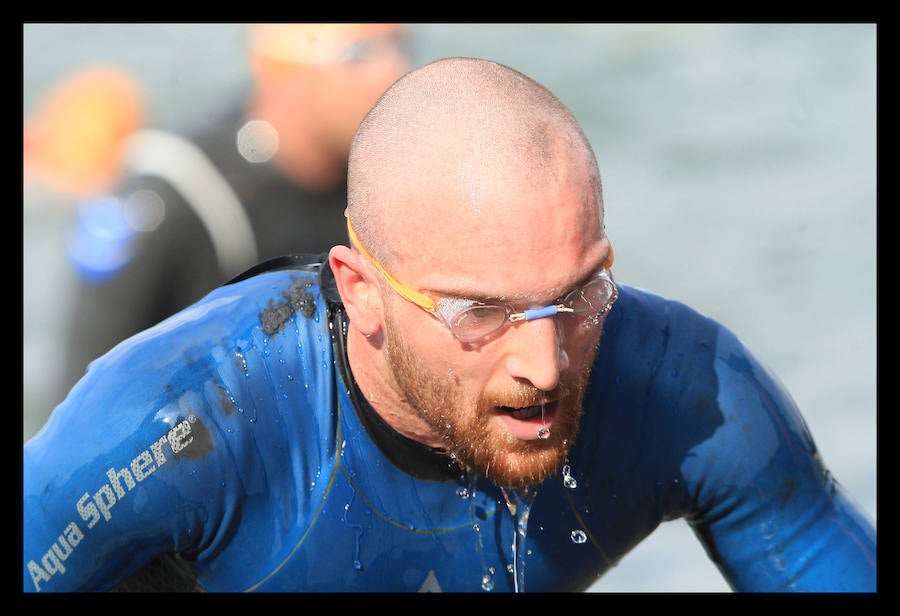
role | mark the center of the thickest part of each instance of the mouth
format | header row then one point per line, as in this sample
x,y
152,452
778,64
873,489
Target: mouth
x,y
524,412
524,422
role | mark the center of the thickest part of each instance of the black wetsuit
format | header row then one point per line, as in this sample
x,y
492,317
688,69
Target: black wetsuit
x,y
125,286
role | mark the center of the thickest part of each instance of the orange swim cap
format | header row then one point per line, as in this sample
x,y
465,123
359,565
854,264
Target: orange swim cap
x,y
77,138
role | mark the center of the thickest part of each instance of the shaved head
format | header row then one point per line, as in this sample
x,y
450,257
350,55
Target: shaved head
x,y
446,144
471,182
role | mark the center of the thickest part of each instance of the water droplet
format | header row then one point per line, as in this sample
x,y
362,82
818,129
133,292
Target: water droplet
x,y
578,536
462,492
568,480
543,433
357,530
242,362
519,502
487,583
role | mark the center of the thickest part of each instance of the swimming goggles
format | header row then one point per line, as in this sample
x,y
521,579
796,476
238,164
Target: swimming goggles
x,y
472,320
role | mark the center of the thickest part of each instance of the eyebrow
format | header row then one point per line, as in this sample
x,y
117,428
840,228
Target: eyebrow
x,y
488,299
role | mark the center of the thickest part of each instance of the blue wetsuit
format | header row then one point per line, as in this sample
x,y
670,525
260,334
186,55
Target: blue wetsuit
x,y
233,435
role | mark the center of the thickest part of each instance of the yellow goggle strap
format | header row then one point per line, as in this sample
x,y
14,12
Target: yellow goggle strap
x,y
419,299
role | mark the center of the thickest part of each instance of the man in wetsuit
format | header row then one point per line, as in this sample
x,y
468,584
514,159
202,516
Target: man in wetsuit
x,y
267,179
461,399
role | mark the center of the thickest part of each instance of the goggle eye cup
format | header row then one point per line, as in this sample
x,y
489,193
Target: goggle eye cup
x,y
470,321
477,321
595,297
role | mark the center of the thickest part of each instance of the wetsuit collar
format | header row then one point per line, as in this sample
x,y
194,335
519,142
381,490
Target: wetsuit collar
x,y
412,457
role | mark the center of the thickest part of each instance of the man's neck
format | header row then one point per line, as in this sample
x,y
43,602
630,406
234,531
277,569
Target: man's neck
x,y
373,377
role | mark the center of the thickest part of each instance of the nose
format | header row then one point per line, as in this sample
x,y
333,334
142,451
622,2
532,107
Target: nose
x,y
536,353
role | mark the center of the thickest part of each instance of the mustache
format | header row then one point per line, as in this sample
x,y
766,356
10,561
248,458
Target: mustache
x,y
523,395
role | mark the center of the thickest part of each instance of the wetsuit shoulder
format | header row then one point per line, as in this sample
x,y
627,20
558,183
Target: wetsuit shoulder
x,y
158,446
692,421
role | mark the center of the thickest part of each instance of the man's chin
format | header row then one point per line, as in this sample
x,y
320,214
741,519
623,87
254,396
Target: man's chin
x,y
528,451
525,464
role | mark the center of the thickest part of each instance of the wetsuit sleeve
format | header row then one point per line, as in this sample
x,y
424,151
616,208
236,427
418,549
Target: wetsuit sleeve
x,y
768,510
202,437
174,441
114,478
686,422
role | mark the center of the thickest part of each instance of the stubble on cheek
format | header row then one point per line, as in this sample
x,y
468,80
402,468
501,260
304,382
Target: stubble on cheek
x,y
466,426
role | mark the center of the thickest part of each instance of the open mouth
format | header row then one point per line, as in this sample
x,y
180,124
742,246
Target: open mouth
x,y
528,423
524,412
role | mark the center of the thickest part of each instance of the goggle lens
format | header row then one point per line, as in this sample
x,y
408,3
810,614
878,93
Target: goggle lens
x,y
470,321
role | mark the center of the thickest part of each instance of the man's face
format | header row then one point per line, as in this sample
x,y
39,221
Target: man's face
x,y
332,74
500,228
491,422
368,59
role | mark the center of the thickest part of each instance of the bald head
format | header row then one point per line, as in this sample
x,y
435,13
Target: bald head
x,y
469,182
455,148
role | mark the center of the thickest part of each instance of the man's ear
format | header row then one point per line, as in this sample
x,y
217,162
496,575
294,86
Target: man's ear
x,y
360,295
